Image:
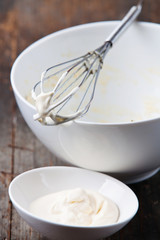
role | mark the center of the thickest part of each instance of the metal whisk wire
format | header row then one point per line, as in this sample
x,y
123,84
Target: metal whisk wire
x,y
74,74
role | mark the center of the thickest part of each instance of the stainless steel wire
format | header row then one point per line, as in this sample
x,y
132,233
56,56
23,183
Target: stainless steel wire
x,y
73,75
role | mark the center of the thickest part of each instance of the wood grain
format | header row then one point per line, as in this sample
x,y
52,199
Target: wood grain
x,y
21,23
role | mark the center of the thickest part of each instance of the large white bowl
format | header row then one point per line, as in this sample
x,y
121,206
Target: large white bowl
x,y
36,183
128,89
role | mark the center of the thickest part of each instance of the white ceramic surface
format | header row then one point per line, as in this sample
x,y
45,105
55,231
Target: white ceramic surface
x,y
41,181
128,89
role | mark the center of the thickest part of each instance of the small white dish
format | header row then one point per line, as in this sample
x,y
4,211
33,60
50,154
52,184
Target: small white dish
x,y
38,182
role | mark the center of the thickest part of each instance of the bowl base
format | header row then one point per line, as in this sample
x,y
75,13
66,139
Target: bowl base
x,y
136,178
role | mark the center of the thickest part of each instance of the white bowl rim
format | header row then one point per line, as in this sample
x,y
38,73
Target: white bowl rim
x,y
70,29
17,206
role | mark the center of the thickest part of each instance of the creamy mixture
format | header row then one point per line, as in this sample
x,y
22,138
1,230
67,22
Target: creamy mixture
x,y
44,106
76,207
43,102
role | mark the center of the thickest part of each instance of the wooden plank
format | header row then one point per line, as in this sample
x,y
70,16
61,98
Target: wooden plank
x,y
8,52
5,206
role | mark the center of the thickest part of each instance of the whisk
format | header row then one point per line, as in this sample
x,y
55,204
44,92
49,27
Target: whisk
x,y
61,105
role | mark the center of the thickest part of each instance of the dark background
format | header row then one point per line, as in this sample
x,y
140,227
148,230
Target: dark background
x,y
21,23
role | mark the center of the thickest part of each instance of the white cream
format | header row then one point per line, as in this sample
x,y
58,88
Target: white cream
x,y
42,103
76,207
44,106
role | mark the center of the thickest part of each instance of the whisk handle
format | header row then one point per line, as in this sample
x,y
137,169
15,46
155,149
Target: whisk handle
x,y
125,22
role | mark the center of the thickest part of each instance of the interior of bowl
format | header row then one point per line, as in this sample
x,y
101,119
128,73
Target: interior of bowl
x,y
128,86
39,182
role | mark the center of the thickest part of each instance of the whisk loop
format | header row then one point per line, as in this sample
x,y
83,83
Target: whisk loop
x,y
62,104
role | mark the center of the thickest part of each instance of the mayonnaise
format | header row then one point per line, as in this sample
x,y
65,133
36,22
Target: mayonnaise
x,y
43,103
76,207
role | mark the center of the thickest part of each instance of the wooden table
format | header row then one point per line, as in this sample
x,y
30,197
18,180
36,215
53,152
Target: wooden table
x,y
21,23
